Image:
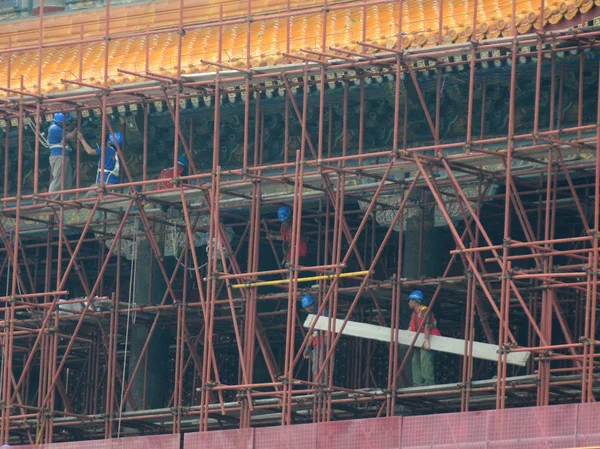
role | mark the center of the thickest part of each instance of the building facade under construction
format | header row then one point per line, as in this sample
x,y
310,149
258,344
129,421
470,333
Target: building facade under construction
x,y
218,248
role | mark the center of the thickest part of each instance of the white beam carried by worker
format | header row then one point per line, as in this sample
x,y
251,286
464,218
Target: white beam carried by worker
x,y
481,350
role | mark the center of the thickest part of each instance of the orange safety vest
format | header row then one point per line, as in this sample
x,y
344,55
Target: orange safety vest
x,y
417,318
286,236
167,173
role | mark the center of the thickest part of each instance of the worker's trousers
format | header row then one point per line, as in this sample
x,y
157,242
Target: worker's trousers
x,y
317,359
318,354
56,168
422,367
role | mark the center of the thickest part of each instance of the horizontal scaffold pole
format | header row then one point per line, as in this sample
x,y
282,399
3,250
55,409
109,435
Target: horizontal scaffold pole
x,y
306,279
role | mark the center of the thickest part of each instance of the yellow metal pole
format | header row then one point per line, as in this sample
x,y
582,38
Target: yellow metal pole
x,y
307,279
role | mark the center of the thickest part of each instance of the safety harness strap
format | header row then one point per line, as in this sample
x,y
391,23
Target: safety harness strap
x,y
113,172
59,145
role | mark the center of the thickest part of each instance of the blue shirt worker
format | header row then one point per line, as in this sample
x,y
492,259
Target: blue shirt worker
x,y
111,159
60,151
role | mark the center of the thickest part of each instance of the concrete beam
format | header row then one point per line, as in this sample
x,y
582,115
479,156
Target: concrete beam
x,y
449,345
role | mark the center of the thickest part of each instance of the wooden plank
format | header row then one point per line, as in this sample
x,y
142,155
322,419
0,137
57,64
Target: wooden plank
x,y
483,351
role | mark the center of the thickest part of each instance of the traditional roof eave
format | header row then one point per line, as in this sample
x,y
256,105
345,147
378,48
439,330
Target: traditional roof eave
x,y
25,63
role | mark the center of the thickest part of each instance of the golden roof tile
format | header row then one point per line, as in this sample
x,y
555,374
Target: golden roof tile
x,y
344,27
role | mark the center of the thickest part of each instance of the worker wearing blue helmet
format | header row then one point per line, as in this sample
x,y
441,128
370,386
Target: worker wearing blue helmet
x,y
59,134
315,349
423,360
284,215
169,173
308,303
112,166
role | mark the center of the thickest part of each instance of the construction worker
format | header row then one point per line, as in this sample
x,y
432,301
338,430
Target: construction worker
x,y
111,159
315,347
284,215
168,173
422,359
60,151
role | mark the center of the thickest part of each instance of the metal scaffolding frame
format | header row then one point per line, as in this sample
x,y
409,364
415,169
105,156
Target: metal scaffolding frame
x,y
500,278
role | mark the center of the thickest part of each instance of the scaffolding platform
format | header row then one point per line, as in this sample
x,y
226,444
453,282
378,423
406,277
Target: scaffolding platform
x,y
315,185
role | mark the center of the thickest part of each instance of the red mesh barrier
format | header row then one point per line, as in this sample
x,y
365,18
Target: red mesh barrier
x,y
588,428
452,430
154,442
533,427
382,433
224,439
559,426
301,436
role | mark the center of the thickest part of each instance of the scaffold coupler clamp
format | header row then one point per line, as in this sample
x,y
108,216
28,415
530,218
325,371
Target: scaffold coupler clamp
x,y
389,394
321,387
208,386
508,276
242,394
465,386
590,271
504,349
400,153
100,190
545,356
176,411
594,233
401,58
585,341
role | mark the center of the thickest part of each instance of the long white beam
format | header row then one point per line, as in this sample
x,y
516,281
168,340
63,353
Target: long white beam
x,y
481,350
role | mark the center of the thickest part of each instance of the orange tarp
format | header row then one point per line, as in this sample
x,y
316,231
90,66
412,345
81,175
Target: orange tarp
x,y
267,37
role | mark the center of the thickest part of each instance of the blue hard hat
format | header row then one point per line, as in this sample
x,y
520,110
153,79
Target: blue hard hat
x,y
417,295
182,160
59,117
284,213
116,139
307,301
